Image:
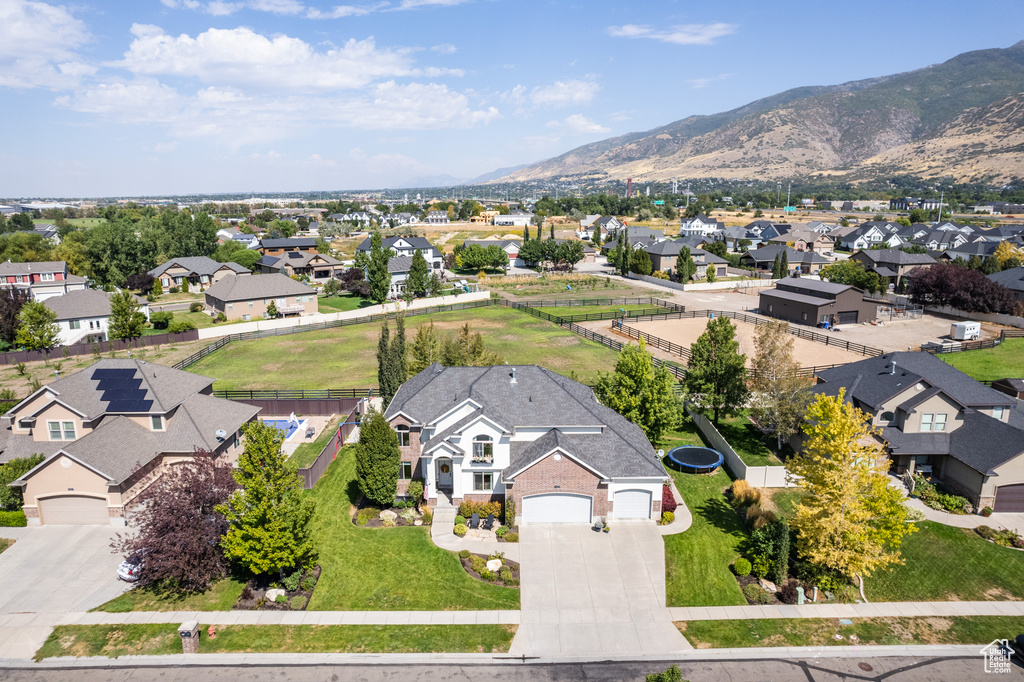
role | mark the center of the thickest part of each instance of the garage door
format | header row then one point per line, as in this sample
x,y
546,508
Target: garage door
x,y
1009,498
70,510
849,317
556,508
632,504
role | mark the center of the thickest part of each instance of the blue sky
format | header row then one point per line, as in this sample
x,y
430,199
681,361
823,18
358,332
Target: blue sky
x,y
149,97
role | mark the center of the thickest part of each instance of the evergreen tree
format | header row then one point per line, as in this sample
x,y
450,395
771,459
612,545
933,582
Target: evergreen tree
x,y
425,348
377,459
377,269
625,253
540,227
272,310
552,231
126,319
419,273
597,237
784,264
384,366
641,262
776,265
434,285
716,376
526,234
269,515
396,354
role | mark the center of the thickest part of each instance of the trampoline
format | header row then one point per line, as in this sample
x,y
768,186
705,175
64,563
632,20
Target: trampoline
x,y
692,459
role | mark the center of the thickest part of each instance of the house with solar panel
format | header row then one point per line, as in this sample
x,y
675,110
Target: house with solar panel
x,y
108,432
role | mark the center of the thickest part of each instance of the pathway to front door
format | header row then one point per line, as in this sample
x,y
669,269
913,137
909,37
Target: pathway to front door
x,y
585,593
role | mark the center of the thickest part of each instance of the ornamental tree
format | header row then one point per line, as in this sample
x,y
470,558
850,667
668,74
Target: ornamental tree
x,y
851,520
779,397
269,514
38,328
641,392
377,459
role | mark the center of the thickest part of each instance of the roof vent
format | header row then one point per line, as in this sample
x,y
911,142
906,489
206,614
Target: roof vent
x,y
221,434
513,375
892,369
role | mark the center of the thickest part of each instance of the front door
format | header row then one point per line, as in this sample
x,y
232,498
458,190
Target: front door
x,y
444,474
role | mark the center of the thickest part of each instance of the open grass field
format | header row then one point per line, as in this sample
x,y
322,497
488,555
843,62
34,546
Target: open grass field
x,y
582,310
387,569
157,639
554,286
345,357
782,632
1003,361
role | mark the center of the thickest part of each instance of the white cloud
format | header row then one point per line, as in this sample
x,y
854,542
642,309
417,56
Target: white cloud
x,y
564,93
342,11
699,83
578,124
683,34
446,48
414,4
37,45
241,57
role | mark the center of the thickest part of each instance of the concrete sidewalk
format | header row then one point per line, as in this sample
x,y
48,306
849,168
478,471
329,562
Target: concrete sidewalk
x,y
879,610
294,617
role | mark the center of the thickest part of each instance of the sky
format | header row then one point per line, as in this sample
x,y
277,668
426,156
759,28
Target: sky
x,y
157,97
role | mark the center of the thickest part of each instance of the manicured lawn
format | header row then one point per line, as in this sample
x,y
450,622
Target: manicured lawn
x,y
784,500
1005,360
221,596
307,453
201,320
346,357
583,310
387,569
342,303
697,560
161,639
749,443
949,564
781,632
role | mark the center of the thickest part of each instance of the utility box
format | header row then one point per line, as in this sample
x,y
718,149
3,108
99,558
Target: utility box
x,y
965,331
189,633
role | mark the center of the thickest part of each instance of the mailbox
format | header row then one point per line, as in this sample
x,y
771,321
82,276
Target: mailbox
x,y
189,633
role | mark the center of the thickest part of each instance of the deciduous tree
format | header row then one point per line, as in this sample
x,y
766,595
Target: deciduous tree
x,y
570,252
37,328
641,392
377,459
127,321
685,267
640,263
964,289
716,375
425,349
11,498
11,302
779,397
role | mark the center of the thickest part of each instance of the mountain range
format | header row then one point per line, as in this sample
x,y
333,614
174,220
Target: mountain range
x,y
962,119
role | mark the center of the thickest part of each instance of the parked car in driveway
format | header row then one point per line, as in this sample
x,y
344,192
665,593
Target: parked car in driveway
x,y
131,568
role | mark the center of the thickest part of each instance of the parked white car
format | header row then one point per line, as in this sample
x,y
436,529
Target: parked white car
x,y
131,568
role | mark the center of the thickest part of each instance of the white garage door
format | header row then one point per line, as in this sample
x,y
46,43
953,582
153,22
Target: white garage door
x,y
71,510
556,508
632,504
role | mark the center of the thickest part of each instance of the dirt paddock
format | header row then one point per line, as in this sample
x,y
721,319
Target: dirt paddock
x,y
806,353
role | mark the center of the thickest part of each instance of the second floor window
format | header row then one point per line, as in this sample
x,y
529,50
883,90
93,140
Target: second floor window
x,y
933,422
403,435
158,422
483,449
61,430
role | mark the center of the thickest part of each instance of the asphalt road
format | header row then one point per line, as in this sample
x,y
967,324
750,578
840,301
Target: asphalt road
x,y
813,670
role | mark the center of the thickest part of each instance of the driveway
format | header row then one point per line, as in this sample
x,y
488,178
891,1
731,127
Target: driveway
x,y
585,593
48,572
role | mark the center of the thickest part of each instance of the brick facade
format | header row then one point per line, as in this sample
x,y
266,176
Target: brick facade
x,y
409,453
571,478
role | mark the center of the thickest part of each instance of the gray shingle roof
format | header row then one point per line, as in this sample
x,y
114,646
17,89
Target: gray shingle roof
x,y
79,304
9,268
1012,279
292,243
199,265
768,253
896,257
399,264
271,285
539,398
802,284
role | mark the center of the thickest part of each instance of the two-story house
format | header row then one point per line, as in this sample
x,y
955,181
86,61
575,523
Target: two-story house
x,y
665,254
937,421
318,267
523,434
515,218
42,280
110,430
893,264
407,247
699,226
437,218
802,262
279,247
194,273
83,315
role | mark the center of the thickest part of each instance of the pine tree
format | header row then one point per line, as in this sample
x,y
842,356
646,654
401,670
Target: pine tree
x,y
377,459
716,376
425,348
539,228
776,265
526,234
597,236
784,265
552,230
272,310
383,366
419,274
396,354
269,515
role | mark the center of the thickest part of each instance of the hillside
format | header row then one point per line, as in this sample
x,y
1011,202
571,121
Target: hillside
x,y
963,109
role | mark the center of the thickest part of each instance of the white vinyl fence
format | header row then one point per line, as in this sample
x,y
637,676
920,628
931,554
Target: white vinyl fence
x,y
758,477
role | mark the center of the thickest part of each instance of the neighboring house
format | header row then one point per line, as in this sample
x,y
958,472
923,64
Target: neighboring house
x,y
408,246
47,232
437,218
815,302
941,240
699,226
804,262
516,218
526,434
733,237
227,234
108,432
195,272
981,249
279,247
871,233
806,240
316,266
247,298
664,254
398,219
909,203
893,264
938,421
83,315
1012,279
43,280
639,237
509,246
590,226
1011,387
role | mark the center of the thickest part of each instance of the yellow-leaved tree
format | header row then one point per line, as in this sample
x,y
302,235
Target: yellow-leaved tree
x,y
851,520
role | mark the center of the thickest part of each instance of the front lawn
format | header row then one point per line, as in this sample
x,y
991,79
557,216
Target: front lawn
x,y
1005,360
342,303
387,569
943,563
113,641
783,632
345,357
307,453
697,561
221,596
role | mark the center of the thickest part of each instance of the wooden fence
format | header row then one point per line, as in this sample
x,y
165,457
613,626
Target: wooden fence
x,y
14,357
343,435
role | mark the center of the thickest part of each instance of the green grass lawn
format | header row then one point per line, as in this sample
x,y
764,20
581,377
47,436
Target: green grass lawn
x,y
345,357
781,632
221,596
750,444
77,222
113,641
583,286
697,560
949,564
1005,360
785,500
387,569
342,303
307,453
201,320
583,310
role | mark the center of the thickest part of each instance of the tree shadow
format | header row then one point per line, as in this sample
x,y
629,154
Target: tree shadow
x,y
720,515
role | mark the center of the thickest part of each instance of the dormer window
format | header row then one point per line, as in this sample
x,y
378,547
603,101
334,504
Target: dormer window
x,y
888,417
933,422
403,435
61,430
157,421
998,412
483,449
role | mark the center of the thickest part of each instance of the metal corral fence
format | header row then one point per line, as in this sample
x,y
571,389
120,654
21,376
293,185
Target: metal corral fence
x,y
959,346
14,357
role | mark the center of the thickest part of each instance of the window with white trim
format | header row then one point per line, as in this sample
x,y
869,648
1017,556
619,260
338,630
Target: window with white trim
x,y
46,277
483,481
74,324
157,421
926,422
998,412
403,435
940,422
61,430
405,471
483,449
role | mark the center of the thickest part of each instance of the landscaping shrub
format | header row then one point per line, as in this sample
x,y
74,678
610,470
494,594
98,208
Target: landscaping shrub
x,y
460,520
488,575
847,594
415,491
756,595
388,522
297,603
460,529
13,519
483,509
291,582
247,593
221,317
667,518
280,599
195,307
502,531
308,583
179,326
741,567
365,514
788,593
160,320
738,489
668,500
914,515
512,537
464,554
505,574
479,564
753,512
172,290
987,511
672,674
428,516
761,565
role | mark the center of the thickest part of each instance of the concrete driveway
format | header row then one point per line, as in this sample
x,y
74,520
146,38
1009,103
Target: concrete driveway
x,y
48,572
585,593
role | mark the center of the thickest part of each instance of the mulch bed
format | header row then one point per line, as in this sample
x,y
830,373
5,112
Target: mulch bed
x,y
467,564
254,595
